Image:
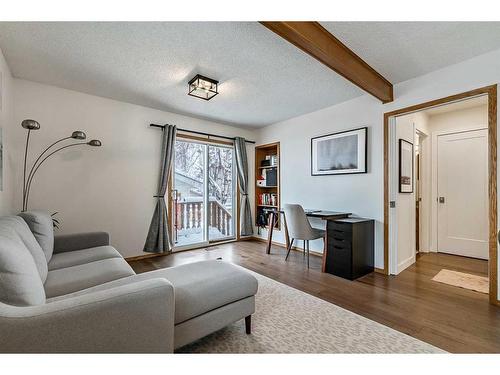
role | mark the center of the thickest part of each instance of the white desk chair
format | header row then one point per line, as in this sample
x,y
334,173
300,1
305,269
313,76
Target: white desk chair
x,y
299,227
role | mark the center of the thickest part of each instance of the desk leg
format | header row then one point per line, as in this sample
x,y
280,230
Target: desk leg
x,y
325,247
272,219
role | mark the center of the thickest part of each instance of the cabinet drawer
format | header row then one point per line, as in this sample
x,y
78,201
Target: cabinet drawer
x,y
340,238
340,262
339,244
340,227
339,252
339,234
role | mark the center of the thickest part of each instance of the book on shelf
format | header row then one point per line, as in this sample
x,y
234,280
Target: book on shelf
x,y
268,199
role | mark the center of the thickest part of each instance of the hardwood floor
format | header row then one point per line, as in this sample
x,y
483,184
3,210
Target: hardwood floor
x,y
451,318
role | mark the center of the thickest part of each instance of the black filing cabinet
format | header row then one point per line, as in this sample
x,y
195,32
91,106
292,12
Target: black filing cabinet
x,y
350,247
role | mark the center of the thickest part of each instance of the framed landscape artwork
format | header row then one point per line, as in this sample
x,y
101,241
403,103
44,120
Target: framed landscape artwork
x,y
405,166
339,153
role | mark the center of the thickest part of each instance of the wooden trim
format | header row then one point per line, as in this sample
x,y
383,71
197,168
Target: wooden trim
x,y
386,194
316,41
492,189
491,91
379,270
273,147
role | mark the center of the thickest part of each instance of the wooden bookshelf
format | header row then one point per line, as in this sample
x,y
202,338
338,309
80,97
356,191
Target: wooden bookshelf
x,y
260,155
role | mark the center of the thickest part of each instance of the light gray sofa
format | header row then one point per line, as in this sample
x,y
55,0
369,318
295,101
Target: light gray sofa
x,y
75,293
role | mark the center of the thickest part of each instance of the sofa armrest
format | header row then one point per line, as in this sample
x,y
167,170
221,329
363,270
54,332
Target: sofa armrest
x,y
132,318
79,241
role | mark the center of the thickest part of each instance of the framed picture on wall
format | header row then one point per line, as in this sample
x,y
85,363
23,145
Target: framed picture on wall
x,y
339,153
405,166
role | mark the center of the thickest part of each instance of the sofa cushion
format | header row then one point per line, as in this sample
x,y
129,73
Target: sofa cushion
x,y
20,282
40,224
71,279
16,228
198,287
77,257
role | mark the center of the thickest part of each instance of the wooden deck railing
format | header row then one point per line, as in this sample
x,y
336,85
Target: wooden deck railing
x,y
189,215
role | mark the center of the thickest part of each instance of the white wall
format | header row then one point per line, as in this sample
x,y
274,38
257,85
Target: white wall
x,y
463,119
109,188
356,193
6,119
363,194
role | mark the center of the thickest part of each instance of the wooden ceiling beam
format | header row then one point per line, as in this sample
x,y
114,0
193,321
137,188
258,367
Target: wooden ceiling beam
x,y
315,40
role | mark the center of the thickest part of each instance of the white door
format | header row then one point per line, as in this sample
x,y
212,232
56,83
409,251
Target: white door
x,y
404,215
463,194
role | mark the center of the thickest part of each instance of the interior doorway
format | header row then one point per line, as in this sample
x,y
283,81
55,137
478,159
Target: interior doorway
x,y
442,199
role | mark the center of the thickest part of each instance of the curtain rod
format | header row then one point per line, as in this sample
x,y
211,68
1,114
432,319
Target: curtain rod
x,y
200,133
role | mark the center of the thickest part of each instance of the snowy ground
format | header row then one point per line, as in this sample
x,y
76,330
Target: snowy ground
x,y
192,236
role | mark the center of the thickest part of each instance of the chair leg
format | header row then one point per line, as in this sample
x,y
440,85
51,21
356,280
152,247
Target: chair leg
x,y
289,248
307,253
248,324
304,252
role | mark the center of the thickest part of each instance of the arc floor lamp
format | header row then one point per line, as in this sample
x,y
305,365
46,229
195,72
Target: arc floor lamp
x,y
31,125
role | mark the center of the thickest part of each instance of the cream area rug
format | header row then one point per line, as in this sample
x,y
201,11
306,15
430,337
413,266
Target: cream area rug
x,y
463,280
288,320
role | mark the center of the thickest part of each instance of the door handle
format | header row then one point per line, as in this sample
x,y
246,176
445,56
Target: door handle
x,y
441,199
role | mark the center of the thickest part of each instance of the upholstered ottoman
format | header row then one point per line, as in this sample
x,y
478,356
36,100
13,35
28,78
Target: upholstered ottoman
x,y
209,295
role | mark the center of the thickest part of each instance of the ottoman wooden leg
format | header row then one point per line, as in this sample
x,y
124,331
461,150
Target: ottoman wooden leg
x,y
248,324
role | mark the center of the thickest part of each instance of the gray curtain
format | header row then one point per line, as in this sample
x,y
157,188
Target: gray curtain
x,y
158,239
246,223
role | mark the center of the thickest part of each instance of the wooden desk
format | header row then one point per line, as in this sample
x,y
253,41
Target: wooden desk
x,y
273,218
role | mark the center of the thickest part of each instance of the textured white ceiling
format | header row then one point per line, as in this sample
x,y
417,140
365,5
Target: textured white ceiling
x,y
403,50
264,79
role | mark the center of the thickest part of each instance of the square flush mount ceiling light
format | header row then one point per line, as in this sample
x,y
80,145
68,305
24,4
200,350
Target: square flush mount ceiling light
x,y
203,87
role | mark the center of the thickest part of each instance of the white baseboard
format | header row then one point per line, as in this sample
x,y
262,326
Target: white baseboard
x,y
405,264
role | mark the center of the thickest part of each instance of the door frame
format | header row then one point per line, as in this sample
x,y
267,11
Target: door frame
x,y
419,167
491,91
170,190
